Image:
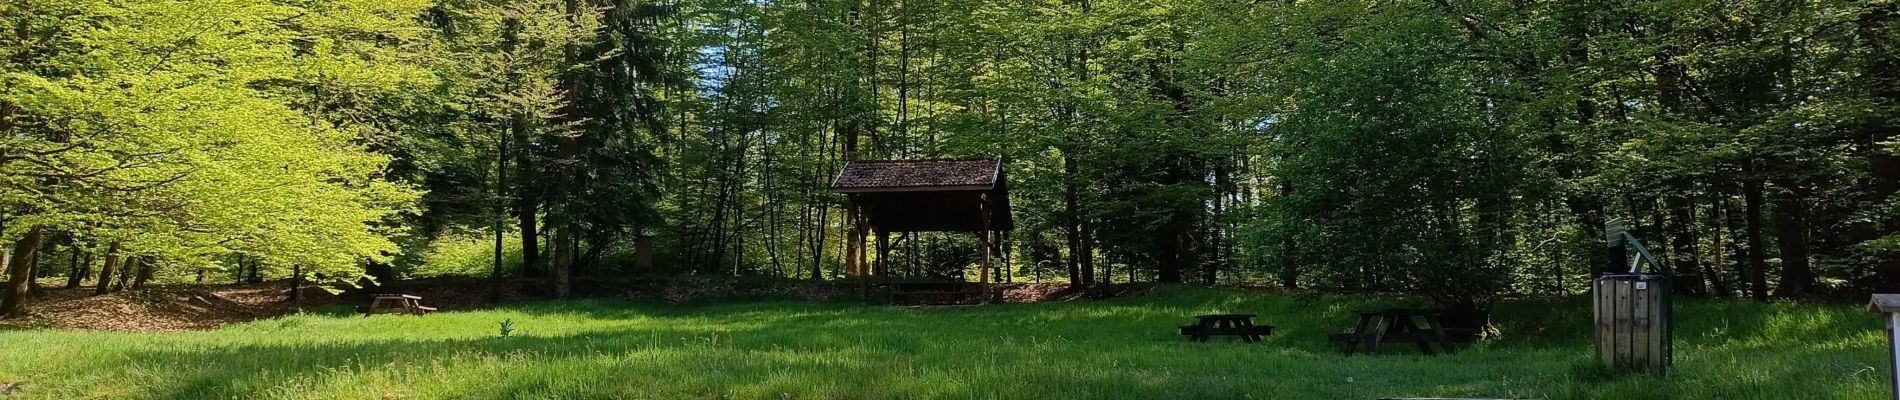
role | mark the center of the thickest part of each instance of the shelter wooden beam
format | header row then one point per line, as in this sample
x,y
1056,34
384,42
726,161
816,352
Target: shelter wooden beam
x,y
984,210
883,265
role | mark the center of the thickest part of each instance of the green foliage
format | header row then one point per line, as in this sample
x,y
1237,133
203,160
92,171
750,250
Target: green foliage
x,y
1459,150
471,254
195,129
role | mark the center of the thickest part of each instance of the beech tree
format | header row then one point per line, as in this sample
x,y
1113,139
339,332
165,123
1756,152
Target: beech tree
x,y
185,130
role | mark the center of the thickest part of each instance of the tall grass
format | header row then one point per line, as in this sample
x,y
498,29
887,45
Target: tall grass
x,y
1114,349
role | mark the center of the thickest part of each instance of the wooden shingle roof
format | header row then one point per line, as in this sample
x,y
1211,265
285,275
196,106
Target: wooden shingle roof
x,y
1884,303
917,175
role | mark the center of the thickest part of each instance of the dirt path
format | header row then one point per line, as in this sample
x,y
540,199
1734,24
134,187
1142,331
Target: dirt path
x,y
163,308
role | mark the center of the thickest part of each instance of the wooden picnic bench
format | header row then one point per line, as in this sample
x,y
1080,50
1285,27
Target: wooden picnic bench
x,y
395,304
1377,327
1226,325
935,293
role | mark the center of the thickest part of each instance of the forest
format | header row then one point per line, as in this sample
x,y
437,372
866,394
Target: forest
x,y
1462,150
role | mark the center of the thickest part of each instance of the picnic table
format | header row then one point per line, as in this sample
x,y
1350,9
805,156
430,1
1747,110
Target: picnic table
x,y
1376,327
1226,325
395,304
935,293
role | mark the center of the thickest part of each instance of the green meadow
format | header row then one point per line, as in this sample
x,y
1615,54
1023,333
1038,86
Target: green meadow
x,y
1122,348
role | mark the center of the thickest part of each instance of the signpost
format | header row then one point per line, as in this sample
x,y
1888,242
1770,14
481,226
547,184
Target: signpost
x,y
1889,304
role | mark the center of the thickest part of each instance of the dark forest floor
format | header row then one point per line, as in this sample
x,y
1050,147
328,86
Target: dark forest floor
x,y
186,307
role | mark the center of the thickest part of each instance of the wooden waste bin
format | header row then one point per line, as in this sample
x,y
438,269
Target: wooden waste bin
x,y
1634,322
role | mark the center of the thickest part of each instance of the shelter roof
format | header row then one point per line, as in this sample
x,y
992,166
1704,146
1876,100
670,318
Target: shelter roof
x,y
918,175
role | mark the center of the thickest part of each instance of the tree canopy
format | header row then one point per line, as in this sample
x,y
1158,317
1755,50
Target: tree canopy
x,y
1460,150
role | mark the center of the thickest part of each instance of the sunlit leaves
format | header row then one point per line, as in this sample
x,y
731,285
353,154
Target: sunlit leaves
x,y
189,129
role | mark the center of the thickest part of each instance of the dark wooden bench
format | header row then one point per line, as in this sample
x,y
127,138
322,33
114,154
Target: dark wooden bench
x,y
1399,325
1255,330
1453,335
935,293
395,304
1239,325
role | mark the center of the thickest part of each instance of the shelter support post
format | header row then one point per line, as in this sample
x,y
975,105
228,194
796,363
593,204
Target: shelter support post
x,y
988,239
883,253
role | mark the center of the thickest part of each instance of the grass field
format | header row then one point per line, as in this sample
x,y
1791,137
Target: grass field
x,y
1118,349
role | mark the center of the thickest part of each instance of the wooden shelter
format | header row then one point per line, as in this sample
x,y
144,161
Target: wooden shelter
x,y
966,195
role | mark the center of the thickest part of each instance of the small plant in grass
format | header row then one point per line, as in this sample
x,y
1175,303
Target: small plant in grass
x,y
507,327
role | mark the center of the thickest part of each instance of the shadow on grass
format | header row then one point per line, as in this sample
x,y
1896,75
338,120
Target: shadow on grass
x,y
750,346
243,370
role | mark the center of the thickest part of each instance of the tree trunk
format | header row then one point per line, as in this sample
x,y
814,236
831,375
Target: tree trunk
x,y
1005,251
818,243
80,266
562,218
1616,258
854,242
989,257
1079,272
255,276
1074,239
144,273
500,225
1757,269
1712,271
1791,238
1088,251
125,274
563,259
1726,248
1289,248
1087,242
883,263
1685,258
1215,229
296,282
20,272
643,255
532,264
106,272
596,247
738,236
1587,206
1080,252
